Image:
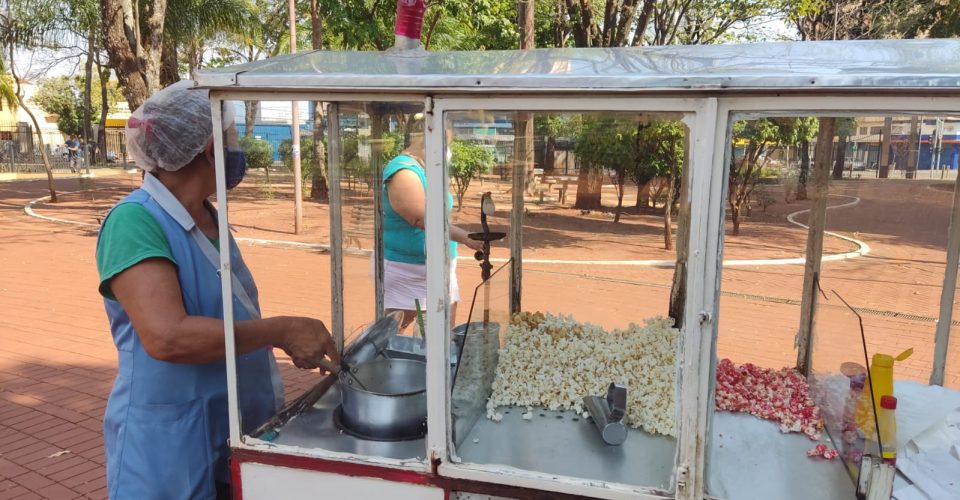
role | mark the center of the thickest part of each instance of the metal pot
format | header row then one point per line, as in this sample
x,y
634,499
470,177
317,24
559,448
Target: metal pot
x,y
394,403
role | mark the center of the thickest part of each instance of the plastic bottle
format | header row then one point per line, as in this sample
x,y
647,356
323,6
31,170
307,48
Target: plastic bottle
x,y
881,380
888,429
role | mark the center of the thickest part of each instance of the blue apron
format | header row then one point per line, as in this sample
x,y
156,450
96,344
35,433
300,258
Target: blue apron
x,y
166,424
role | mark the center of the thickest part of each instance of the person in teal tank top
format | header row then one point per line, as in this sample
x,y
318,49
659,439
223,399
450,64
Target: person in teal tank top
x,y
166,423
404,245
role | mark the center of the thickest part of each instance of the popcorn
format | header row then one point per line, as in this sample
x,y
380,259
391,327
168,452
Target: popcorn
x,y
781,396
553,362
528,416
823,451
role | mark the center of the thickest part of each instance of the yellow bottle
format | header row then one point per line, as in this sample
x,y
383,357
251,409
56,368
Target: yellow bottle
x,y
881,379
888,429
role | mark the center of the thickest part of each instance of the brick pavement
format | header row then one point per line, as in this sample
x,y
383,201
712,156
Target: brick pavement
x,y
57,361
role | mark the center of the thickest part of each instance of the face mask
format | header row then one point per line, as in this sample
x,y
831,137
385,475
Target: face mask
x,y
236,167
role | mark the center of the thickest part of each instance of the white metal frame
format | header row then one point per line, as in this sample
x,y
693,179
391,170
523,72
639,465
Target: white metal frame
x,y
437,180
709,166
731,109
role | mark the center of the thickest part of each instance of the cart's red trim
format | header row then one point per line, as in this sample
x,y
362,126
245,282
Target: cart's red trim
x,y
317,464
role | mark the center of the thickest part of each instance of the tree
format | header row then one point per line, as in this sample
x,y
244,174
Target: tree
x,y
845,128
133,38
468,159
659,152
806,131
26,25
760,137
607,143
195,22
859,19
259,153
57,95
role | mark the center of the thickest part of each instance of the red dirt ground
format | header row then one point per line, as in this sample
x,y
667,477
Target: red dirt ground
x,y
57,361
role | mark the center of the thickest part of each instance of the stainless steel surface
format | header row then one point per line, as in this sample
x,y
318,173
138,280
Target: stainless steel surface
x,y
608,413
815,66
559,442
372,341
392,402
314,428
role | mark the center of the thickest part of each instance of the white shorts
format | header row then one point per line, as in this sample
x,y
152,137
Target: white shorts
x,y
403,282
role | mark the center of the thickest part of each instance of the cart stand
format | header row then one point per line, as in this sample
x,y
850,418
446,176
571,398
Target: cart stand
x,y
709,87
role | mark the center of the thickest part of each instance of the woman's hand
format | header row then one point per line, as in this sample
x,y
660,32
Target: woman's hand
x,y
475,245
308,342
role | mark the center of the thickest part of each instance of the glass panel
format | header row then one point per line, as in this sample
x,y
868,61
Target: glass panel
x,y
323,412
596,283
288,267
840,385
476,347
883,251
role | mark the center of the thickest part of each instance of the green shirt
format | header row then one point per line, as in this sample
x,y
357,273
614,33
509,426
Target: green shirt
x,y
129,236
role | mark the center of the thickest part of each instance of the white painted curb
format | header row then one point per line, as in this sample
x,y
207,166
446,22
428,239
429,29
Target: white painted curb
x,y
863,248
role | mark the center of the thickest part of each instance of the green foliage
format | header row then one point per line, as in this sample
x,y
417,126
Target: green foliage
x,y
557,125
659,147
639,150
259,152
943,21
63,96
448,24
468,159
308,164
606,143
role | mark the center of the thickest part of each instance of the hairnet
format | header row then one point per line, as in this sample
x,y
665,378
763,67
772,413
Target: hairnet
x,y
172,127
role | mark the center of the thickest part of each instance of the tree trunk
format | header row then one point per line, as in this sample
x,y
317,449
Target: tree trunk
x,y
668,207
621,181
838,160
170,69
525,18
135,56
884,162
41,146
678,288
643,195
88,103
914,146
104,75
36,126
550,158
804,170
319,190
814,248
249,117
589,185
735,216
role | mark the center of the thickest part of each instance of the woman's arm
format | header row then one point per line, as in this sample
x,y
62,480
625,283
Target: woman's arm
x,y
407,199
150,294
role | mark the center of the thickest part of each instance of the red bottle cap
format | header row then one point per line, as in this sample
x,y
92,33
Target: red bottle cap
x,y
888,402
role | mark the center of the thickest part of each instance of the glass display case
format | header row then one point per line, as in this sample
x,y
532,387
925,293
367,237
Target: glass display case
x,y
607,257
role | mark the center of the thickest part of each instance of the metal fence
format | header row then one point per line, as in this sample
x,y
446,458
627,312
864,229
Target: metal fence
x,y
20,150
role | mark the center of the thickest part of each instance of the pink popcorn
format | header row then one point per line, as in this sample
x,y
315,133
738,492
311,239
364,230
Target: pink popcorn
x,y
823,451
781,396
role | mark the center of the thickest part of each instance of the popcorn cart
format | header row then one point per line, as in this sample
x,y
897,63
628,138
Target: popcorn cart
x,y
547,386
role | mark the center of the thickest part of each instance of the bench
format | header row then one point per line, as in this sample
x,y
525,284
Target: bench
x,y
359,225
560,183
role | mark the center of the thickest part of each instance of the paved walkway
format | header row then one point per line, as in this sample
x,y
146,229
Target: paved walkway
x,y
57,361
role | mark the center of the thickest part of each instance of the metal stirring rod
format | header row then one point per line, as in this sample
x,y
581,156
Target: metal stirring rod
x,y
336,370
